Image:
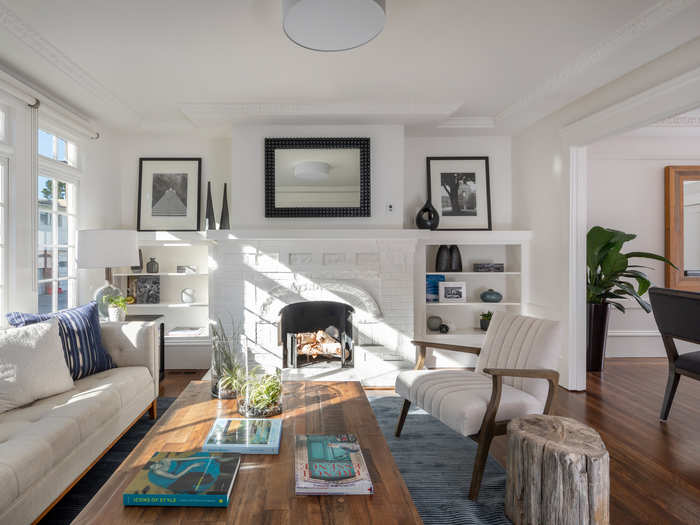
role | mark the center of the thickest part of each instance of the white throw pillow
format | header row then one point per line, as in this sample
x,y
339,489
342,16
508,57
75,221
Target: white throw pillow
x,y
32,365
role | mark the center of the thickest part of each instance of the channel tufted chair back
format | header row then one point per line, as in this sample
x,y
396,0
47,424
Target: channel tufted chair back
x,y
519,341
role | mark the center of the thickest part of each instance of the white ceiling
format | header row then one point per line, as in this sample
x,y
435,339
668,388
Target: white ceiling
x,y
462,65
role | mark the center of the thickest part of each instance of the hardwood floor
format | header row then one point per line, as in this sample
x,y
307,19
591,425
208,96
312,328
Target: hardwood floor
x,y
654,467
175,381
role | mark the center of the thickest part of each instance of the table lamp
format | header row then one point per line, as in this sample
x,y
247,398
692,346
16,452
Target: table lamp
x,y
107,249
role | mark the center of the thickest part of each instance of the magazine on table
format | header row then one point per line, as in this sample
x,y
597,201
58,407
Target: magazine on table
x,y
330,464
245,436
184,479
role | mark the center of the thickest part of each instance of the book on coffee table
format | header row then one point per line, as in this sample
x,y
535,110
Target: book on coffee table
x,y
330,464
244,436
184,479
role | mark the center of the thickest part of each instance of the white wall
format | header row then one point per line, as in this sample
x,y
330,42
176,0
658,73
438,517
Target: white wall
x,y
248,175
626,192
500,176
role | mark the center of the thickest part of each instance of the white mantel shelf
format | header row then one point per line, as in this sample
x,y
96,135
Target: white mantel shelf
x,y
271,233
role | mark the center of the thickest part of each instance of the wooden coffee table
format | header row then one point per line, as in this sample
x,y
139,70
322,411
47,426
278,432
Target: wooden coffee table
x,y
264,488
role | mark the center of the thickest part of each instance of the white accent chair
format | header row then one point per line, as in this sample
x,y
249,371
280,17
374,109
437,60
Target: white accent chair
x,y
518,355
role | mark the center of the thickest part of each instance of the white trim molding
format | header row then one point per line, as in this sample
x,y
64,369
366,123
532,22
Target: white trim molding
x,y
633,333
469,123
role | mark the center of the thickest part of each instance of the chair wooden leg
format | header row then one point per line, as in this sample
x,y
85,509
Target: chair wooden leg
x,y
671,386
153,409
402,417
482,454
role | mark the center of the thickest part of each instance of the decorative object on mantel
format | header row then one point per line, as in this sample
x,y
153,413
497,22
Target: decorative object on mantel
x,y
453,292
455,259
169,194
432,288
434,323
317,177
607,267
442,260
186,268
427,217
485,320
489,267
209,215
139,268
546,458
458,187
224,223
321,25
187,295
152,266
491,296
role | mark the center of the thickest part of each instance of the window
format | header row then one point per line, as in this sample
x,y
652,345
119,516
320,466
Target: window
x,y
54,147
56,235
3,237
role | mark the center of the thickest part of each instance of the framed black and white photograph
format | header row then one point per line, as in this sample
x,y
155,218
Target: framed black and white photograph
x,y
452,292
169,194
459,189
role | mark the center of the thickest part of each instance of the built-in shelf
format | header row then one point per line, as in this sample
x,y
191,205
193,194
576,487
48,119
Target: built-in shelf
x,y
479,274
168,274
474,303
167,305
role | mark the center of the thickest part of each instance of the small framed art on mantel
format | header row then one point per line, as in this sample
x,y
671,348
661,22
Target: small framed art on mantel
x,y
459,189
169,194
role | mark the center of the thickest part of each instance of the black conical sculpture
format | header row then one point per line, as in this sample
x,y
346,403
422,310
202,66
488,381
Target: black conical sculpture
x,y
224,222
442,261
427,217
455,259
210,220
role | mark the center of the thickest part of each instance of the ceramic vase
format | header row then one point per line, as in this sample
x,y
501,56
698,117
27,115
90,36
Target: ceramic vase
x,y
491,296
455,259
442,261
116,314
152,266
210,219
427,217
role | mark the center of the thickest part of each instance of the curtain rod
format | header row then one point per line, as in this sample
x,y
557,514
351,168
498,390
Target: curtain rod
x,y
54,111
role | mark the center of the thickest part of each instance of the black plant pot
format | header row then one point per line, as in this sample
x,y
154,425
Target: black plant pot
x,y
442,261
484,324
597,336
427,217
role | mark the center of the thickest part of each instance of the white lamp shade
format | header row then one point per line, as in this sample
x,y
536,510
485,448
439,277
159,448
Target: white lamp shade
x,y
107,248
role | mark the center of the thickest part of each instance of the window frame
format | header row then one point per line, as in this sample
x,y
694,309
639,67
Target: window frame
x,y
4,233
58,172
72,157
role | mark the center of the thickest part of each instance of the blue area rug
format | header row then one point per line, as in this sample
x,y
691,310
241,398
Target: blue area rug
x,y
436,464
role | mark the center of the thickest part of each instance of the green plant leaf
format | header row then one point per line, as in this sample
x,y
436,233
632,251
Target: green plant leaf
x,y
617,305
648,255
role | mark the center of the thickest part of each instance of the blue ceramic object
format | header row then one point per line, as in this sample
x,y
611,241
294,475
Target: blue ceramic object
x,y
491,296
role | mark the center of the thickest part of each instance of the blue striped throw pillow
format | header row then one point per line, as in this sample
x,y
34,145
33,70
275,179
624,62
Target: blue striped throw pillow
x,y
79,329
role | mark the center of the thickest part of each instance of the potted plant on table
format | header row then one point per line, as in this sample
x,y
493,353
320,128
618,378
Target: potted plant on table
x,y
116,307
485,320
261,395
227,374
609,278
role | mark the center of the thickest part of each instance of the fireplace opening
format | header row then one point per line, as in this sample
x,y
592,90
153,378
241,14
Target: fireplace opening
x,y
316,332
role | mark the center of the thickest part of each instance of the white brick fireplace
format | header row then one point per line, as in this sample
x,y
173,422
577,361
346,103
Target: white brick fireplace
x,y
252,279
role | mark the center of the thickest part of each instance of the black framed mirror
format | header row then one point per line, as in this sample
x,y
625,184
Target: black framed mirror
x,y
317,177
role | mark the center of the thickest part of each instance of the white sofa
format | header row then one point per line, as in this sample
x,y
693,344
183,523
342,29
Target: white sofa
x,y
45,447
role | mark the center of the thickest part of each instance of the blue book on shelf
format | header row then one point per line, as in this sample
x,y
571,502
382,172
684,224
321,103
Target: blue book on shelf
x,y
184,479
244,436
432,287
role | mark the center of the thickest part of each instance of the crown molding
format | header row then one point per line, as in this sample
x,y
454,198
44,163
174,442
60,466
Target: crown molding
x,y
544,99
208,114
26,34
680,121
469,123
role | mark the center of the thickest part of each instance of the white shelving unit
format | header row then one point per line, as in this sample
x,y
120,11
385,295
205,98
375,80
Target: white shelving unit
x,y
171,250
508,247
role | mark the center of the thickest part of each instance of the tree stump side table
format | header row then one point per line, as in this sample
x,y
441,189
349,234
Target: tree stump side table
x,y
558,473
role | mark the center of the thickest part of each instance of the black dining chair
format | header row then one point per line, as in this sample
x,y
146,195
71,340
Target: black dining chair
x,y
677,315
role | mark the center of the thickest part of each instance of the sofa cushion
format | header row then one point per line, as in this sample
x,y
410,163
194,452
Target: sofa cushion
x,y
31,365
34,438
459,398
79,329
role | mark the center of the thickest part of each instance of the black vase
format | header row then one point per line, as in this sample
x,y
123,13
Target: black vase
x,y
597,336
455,259
211,221
427,217
224,223
442,261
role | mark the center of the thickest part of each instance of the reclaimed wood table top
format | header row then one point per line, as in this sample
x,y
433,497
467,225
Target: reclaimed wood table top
x,y
264,488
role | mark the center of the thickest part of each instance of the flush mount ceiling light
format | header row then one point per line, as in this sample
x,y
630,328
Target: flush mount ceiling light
x,y
312,170
332,25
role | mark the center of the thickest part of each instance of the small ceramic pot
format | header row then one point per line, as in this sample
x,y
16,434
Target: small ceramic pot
x,y
491,296
484,324
115,314
434,323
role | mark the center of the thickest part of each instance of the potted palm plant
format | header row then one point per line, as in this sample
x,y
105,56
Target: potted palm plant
x,y
609,278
